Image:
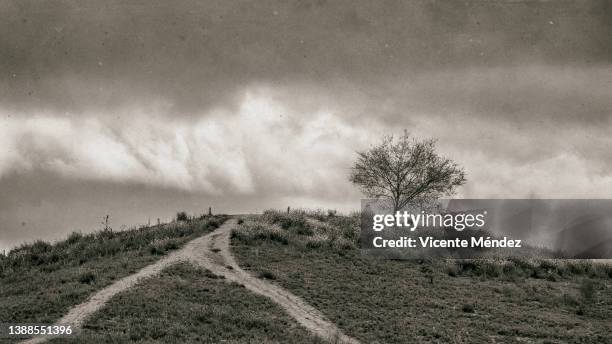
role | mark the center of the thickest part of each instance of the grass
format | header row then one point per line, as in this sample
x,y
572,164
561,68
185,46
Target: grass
x,y
190,305
517,269
295,227
39,282
428,301
316,256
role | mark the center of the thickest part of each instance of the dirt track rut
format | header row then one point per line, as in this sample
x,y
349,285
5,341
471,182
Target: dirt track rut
x,y
212,251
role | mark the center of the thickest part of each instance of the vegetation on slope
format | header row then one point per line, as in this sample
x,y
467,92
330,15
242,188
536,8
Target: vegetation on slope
x,y
186,304
39,282
430,301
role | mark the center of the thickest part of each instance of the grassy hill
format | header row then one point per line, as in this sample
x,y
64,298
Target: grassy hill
x,y
316,257
40,281
436,301
186,304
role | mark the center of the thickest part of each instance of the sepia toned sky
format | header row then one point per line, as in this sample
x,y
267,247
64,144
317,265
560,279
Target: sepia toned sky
x,y
138,109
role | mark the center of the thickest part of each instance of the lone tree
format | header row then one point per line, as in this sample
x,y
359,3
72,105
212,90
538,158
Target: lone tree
x,y
406,172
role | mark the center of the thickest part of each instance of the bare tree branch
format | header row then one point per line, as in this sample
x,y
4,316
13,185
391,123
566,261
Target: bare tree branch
x,y
406,171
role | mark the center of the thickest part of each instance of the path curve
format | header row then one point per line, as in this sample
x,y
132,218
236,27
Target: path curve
x,y
211,251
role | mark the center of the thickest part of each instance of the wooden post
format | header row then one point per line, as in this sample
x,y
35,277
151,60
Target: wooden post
x,y
158,222
209,211
288,210
106,224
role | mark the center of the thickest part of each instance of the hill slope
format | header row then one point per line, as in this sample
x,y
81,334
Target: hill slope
x,y
435,301
312,256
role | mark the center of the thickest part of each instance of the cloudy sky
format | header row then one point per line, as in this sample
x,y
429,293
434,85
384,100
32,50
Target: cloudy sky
x,y
138,109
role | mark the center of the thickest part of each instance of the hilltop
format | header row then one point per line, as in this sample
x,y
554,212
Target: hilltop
x,y
313,259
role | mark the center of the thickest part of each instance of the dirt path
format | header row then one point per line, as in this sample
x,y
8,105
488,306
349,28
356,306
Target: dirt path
x,y
212,251
77,314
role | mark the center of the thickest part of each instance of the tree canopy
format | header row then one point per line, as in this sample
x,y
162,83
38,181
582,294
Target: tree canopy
x,y
406,171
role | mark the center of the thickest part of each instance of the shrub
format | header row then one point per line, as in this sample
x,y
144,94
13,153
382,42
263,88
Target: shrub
x,y
343,244
317,214
74,237
40,247
302,230
468,308
265,274
251,231
452,270
347,226
316,241
489,268
182,216
87,278
161,246
278,237
214,223
549,266
285,220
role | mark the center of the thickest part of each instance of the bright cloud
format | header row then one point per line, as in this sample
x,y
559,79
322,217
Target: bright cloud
x,y
262,144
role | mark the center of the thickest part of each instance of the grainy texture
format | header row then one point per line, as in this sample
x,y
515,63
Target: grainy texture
x,y
434,302
188,304
212,252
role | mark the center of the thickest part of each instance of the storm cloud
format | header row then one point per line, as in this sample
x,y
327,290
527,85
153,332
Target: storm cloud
x,y
110,107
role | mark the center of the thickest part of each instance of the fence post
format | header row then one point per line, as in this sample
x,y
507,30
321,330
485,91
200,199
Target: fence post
x,y
288,210
209,211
